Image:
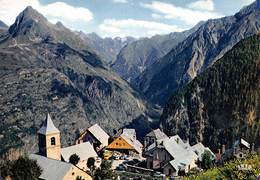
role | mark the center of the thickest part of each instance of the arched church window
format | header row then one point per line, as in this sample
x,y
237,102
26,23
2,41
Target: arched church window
x,y
53,141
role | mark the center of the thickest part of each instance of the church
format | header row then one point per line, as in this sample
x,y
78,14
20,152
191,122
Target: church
x,y
50,158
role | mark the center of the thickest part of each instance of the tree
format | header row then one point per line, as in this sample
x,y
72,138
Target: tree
x,y
74,159
6,169
105,171
22,168
206,160
91,162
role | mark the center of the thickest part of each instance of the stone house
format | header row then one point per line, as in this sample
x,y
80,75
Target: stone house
x,y
57,170
153,136
171,156
95,135
239,149
83,150
126,143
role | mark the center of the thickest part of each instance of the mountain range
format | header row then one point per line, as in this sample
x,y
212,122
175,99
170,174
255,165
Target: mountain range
x,y
137,56
3,26
221,104
46,67
207,78
107,48
196,53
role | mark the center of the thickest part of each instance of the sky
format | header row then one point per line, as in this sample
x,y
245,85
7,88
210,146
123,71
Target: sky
x,y
120,18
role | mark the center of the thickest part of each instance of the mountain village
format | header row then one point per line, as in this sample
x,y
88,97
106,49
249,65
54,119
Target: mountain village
x,y
183,104
159,156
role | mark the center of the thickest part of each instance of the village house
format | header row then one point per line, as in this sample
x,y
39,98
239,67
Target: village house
x,y
126,143
83,150
240,149
153,136
95,135
49,156
58,170
200,149
171,156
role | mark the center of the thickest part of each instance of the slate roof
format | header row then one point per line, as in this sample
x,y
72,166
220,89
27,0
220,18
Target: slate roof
x,y
48,126
130,132
83,150
99,134
158,134
151,148
199,149
128,137
52,169
180,151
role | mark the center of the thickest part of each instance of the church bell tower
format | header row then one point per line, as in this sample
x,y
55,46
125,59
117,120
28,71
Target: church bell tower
x,y
49,140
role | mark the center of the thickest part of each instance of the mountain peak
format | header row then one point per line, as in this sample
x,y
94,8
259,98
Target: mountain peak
x,y
3,25
31,13
60,25
93,35
30,21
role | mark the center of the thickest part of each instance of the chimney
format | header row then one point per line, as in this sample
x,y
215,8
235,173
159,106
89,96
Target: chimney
x,y
223,149
219,152
253,147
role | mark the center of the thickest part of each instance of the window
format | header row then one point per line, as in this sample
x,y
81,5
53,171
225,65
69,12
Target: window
x,y
170,171
53,141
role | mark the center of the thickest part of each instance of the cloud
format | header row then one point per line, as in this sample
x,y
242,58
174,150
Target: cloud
x,y
120,1
58,11
203,5
135,28
156,16
186,15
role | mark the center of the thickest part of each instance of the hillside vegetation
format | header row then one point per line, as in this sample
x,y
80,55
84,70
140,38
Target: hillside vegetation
x,y
223,103
237,169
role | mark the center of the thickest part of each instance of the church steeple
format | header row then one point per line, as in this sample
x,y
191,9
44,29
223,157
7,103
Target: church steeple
x,y
49,139
48,126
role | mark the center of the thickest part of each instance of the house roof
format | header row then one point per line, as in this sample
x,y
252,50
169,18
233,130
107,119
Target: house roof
x,y
52,169
199,149
158,143
83,150
157,133
130,132
245,143
48,126
99,134
180,151
128,137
